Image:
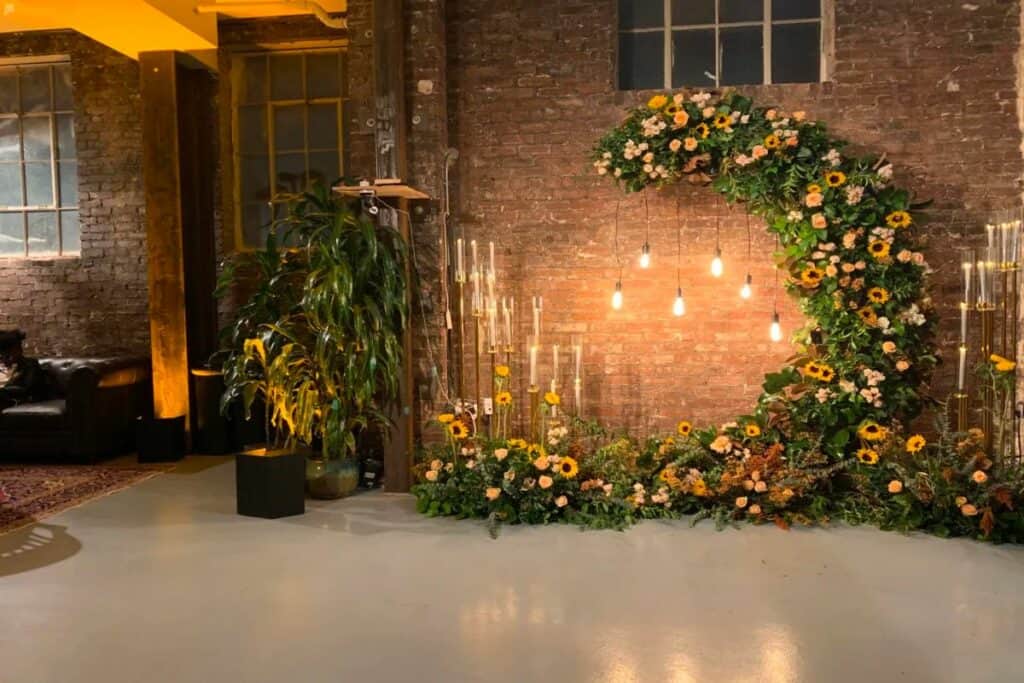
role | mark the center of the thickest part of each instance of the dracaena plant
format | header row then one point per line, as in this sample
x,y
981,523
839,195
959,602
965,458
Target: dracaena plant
x,y
320,339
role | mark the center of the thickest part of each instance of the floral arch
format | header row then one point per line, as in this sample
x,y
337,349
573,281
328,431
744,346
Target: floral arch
x,y
826,438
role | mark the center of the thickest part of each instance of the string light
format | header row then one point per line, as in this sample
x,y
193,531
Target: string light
x,y
775,331
745,290
678,306
617,294
645,251
716,262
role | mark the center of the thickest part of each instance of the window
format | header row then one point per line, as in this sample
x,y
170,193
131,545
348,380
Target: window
x,y
288,132
711,43
38,165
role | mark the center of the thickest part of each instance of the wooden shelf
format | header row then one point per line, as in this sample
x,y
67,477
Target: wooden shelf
x,y
384,189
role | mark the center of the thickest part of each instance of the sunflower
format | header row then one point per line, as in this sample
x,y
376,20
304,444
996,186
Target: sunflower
x,y
504,398
835,178
879,249
502,371
445,418
684,428
826,374
813,187
812,369
722,121
1002,364
772,141
811,276
699,488
871,431
868,315
752,430
868,456
673,109
657,102
915,443
568,467
702,130
898,219
878,295
517,443
458,429
552,399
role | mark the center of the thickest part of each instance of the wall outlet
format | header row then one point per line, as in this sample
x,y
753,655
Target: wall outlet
x,y
488,406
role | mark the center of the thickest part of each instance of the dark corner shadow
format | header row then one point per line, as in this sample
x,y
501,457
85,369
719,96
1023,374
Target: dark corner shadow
x,y
34,546
369,513
195,464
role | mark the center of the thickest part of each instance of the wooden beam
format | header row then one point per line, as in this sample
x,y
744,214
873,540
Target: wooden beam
x,y
166,276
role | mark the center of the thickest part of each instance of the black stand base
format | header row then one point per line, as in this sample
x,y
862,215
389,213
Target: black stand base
x,y
161,439
270,484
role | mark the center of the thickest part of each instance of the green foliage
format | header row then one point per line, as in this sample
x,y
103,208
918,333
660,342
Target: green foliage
x,y
320,337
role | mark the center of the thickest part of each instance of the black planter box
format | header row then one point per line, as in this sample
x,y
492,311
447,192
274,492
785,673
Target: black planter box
x,y
161,439
270,484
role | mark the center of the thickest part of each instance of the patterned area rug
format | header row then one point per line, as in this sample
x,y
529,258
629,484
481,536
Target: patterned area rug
x,y
35,492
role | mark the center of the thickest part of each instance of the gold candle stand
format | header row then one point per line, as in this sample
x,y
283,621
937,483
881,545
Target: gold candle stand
x,y
961,411
987,314
477,323
534,392
492,351
462,339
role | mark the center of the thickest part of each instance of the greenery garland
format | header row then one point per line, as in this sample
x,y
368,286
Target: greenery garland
x,y
826,438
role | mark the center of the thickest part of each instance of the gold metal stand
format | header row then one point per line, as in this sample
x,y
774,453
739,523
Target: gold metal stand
x,y
462,340
987,315
493,353
477,323
534,392
961,411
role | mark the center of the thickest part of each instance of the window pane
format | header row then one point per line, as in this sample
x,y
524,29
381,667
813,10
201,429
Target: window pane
x,y
693,60
42,233
70,232
8,91
255,179
35,88
323,168
252,130
62,87
10,185
290,127
254,80
65,136
37,137
641,60
68,179
291,173
322,75
12,234
323,126
10,140
742,55
693,12
286,77
38,184
740,10
796,9
641,13
255,224
796,54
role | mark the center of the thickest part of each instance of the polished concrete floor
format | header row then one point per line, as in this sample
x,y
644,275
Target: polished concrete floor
x,y
163,582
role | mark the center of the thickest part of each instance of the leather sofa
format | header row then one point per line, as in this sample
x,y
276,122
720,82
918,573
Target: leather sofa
x,y
92,410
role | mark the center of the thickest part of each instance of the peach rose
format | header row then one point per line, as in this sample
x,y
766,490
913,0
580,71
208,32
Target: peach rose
x,y
541,463
968,510
561,501
436,464
889,347
681,118
545,481
675,145
902,365
770,114
760,152
904,256
748,485
431,475
831,270
690,144
492,493
818,220
979,477
761,487
755,509
960,501
741,502
500,453
814,199
895,486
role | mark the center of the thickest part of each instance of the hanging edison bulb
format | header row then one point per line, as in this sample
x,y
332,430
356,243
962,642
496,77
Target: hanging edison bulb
x,y
679,306
617,296
645,255
745,290
776,328
716,263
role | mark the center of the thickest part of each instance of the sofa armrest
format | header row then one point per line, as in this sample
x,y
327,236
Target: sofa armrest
x,y
104,397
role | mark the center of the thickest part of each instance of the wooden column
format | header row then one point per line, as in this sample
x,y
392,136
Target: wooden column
x,y
166,276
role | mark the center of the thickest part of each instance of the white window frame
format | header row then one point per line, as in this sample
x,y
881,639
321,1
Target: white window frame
x,y
56,208
825,47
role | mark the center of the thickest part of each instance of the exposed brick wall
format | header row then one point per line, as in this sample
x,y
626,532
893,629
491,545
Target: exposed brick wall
x,y
933,85
95,304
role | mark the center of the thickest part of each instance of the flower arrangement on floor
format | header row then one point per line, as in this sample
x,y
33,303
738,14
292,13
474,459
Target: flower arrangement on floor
x,y
826,438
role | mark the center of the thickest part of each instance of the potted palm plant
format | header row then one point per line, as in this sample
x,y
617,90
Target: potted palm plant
x,y
327,364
